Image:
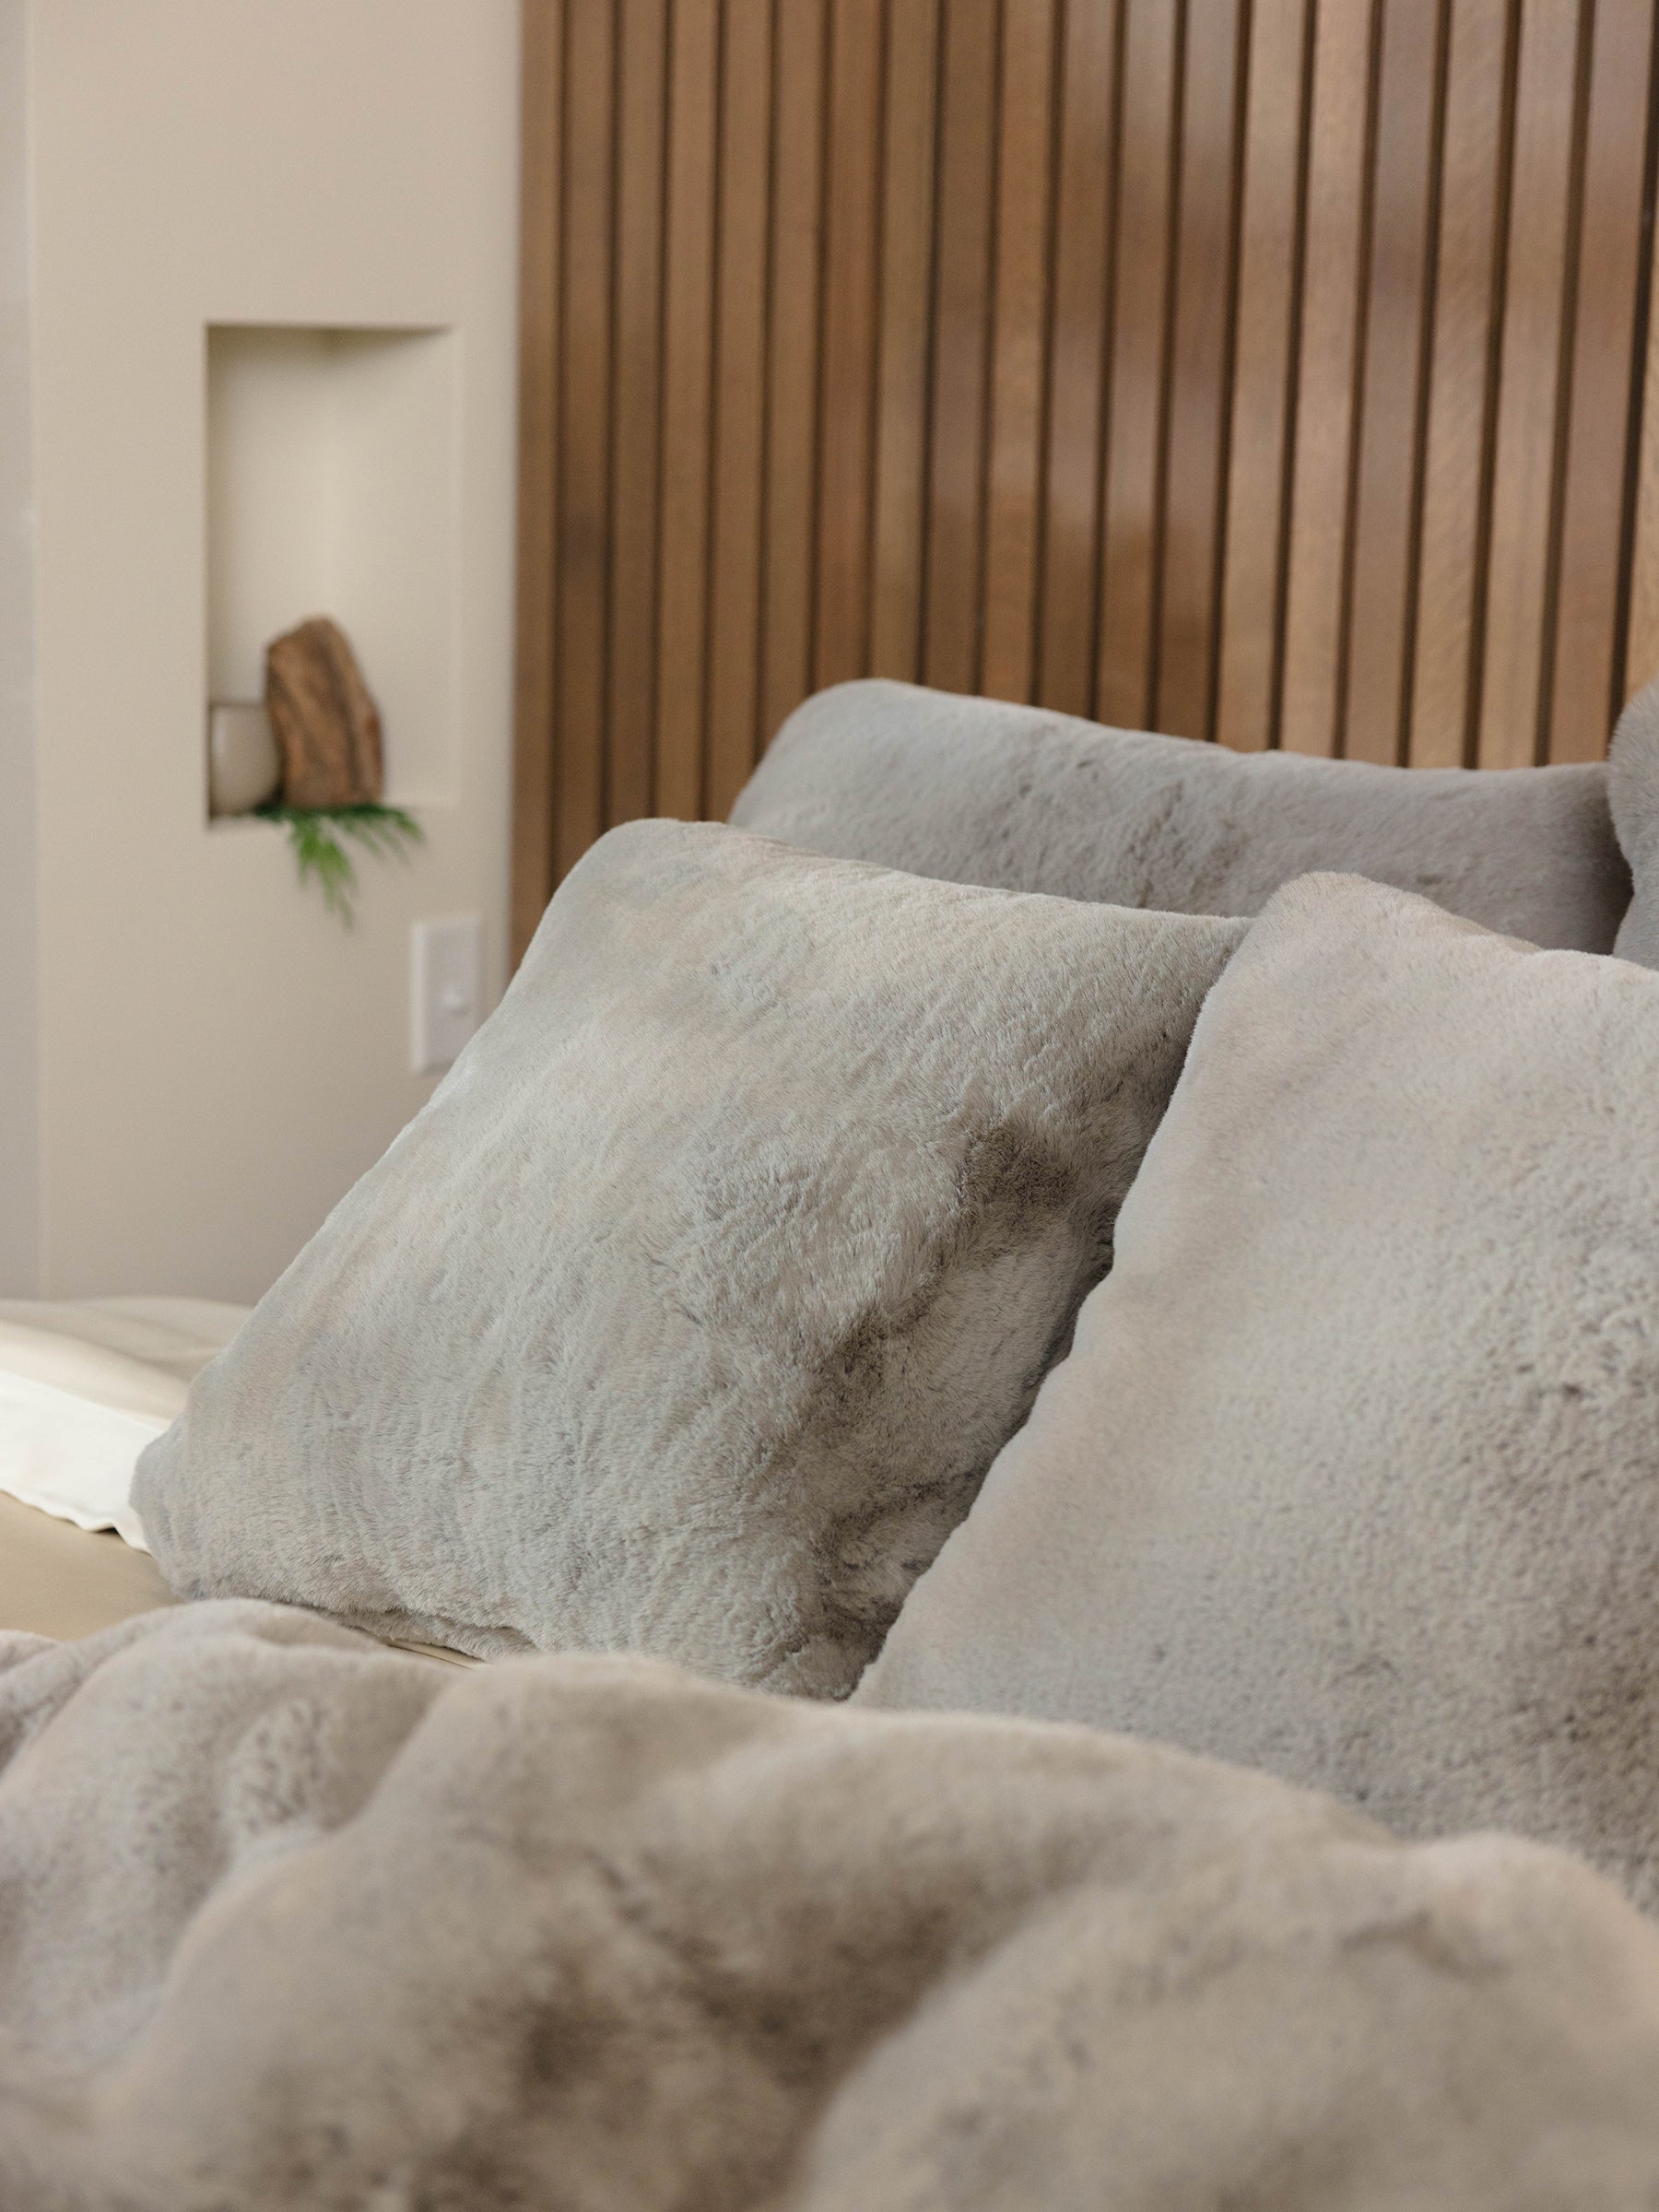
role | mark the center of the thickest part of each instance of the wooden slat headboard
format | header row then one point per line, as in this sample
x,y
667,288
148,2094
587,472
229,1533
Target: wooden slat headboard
x,y
1266,371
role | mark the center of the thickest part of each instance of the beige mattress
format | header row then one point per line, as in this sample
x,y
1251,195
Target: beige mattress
x,y
57,1579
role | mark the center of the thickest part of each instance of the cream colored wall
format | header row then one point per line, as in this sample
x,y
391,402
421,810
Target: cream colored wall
x,y
218,1059
19,1055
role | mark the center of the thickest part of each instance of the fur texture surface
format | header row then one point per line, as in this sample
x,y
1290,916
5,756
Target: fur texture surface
x,y
292,1924
689,1314
1634,788
1353,1470
974,791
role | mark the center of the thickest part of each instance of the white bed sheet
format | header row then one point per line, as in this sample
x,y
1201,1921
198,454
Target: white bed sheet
x,y
84,1385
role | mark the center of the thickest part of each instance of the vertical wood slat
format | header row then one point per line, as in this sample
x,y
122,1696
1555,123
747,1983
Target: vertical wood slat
x,y
1458,456
902,358
1642,644
636,431
1528,380
687,392
1080,335
967,179
739,401
1391,360
1019,334
584,430
1260,397
846,422
1182,699
1264,368
535,721
1148,146
1317,556
1603,314
800,55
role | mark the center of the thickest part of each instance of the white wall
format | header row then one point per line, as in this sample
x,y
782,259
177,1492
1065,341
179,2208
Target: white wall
x,y
20,1054
218,1059
332,483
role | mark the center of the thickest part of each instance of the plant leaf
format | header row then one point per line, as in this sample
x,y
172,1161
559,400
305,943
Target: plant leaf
x,y
314,834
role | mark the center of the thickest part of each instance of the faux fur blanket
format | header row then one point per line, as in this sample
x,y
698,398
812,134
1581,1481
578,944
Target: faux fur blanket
x,y
288,1920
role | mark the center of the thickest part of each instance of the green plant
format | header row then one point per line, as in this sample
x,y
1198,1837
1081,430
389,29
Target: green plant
x,y
315,832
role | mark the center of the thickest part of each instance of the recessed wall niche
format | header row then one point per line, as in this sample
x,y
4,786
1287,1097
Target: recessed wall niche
x,y
331,463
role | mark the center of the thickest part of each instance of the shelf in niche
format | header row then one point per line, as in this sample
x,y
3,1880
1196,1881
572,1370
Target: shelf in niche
x,y
332,489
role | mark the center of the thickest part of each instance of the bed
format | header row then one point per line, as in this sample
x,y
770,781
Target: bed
x,y
727,1353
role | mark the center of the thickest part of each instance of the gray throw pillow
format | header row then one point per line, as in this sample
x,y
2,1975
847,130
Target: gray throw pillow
x,y
1633,787
977,791
1353,1470
689,1314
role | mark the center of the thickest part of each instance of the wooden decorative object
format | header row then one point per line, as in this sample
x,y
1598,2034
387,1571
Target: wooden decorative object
x,y
324,718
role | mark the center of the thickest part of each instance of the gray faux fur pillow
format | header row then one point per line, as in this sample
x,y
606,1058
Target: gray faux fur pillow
x,y
1353,1470
1633,787
977,791
689,1314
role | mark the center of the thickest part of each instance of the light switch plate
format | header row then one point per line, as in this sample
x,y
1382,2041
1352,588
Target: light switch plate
x,y
447,989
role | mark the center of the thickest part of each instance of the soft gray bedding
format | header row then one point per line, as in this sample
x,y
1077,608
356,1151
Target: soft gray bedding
x,y
288,1920
689,1315
1352,1473
976,790
1633,789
